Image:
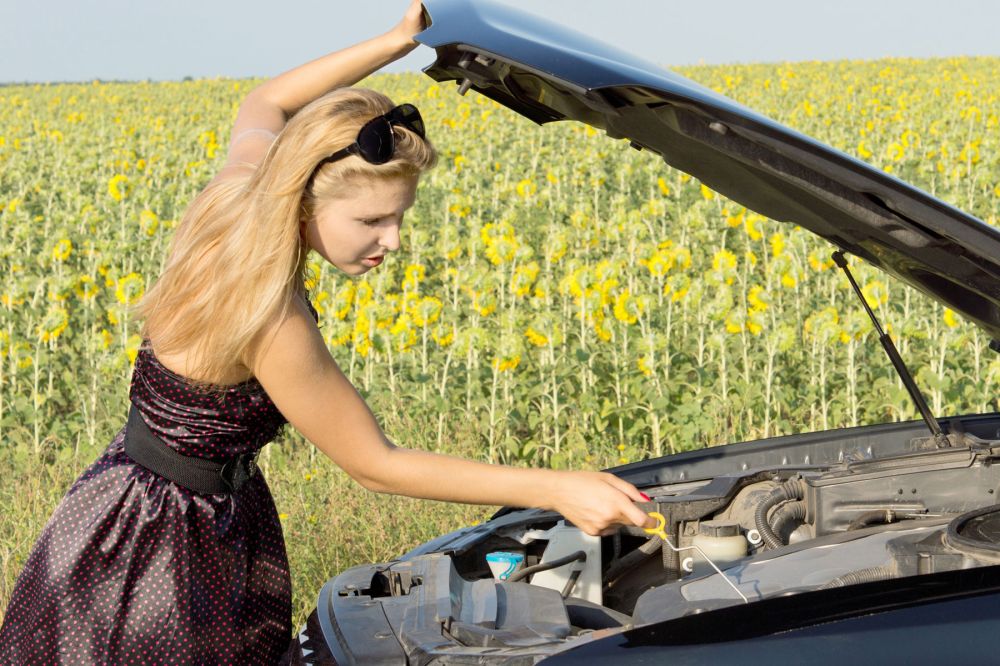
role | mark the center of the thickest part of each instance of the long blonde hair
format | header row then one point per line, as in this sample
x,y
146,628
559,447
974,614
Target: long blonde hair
x,y
238,256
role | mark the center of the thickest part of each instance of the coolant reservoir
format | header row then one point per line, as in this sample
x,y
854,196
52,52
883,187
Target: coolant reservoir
x,y
722,541
565,540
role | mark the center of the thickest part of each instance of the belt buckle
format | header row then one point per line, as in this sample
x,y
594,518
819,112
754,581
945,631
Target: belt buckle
x,y
239,469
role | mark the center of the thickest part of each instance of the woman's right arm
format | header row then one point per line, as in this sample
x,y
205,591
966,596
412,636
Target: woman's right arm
x,y
267,108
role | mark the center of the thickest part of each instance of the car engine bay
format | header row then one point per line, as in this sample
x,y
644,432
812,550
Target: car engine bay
x,y
733,538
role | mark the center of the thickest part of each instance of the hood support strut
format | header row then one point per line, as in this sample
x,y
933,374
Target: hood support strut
x,y
897,361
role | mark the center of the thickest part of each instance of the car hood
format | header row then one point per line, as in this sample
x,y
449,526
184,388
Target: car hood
x,y
547,72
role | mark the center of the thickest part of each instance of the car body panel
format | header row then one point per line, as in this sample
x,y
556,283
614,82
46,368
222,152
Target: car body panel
x,y
954,610
897,621
547,72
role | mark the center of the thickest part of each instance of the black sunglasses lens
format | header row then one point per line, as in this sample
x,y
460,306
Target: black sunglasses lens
x,y
408,116
375,141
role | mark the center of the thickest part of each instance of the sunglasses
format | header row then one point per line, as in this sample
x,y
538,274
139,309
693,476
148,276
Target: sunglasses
x,y
376,141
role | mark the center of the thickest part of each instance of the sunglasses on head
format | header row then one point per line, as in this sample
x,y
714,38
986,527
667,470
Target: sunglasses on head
x,y
376,141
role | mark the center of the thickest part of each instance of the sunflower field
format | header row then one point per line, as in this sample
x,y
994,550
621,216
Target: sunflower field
x,y
560,299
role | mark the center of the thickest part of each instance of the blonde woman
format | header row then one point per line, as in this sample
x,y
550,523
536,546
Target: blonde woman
x,y
168,548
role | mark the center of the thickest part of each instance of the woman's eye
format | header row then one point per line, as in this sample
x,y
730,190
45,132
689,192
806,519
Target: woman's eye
x,y
370,221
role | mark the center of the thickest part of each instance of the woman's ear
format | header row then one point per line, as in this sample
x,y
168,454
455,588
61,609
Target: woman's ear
x,y
304,215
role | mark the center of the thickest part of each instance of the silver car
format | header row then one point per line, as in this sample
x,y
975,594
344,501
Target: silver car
x,y
863,545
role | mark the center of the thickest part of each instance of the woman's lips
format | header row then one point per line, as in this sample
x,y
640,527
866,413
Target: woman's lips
x,y
373,261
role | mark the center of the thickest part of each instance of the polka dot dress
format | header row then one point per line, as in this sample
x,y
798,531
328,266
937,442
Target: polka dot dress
x,y
134,569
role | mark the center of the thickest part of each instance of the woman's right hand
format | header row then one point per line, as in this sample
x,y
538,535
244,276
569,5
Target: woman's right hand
x,y
597,502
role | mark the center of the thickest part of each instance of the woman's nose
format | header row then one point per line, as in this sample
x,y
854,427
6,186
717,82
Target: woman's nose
x,y
390,237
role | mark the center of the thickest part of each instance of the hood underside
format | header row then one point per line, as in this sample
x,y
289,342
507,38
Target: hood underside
x,y
546,72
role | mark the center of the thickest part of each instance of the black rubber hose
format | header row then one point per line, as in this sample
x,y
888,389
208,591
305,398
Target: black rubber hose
x,y
869,575
571,583
629,561
786,513
789,490
545,566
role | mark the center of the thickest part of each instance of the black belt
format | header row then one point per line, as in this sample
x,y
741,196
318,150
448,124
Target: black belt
x,y
201,475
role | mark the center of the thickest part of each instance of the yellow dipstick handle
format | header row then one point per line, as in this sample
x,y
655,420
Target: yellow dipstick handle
x,y
661,522
659,531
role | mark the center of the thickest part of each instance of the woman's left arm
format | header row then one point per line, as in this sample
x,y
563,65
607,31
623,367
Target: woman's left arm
x,y
267,108
294,365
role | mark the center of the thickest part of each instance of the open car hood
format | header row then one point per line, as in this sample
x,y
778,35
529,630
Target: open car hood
x,y
547,72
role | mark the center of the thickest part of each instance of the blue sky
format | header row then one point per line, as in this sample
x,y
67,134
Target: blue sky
x,y
79,40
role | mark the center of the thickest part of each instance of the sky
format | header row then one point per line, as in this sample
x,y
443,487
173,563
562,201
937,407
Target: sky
x,y
82,40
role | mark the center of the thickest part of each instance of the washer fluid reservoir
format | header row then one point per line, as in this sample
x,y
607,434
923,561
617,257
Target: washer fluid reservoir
x,y
564,540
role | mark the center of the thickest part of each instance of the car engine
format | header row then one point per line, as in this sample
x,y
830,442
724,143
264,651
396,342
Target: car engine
x,y
881,510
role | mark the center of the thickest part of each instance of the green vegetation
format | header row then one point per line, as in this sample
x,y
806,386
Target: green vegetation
x,y
560,300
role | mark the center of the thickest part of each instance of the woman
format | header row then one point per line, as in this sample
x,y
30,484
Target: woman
x,y
168,548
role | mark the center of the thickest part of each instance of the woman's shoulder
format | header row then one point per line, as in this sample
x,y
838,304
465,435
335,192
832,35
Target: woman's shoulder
x,y
182,363
291,326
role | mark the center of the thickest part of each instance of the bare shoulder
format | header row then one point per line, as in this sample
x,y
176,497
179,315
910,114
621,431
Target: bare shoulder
x,y
303,380
290,341
290,359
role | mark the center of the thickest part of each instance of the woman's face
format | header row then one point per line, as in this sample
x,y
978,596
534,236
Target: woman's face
x,y
356,231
